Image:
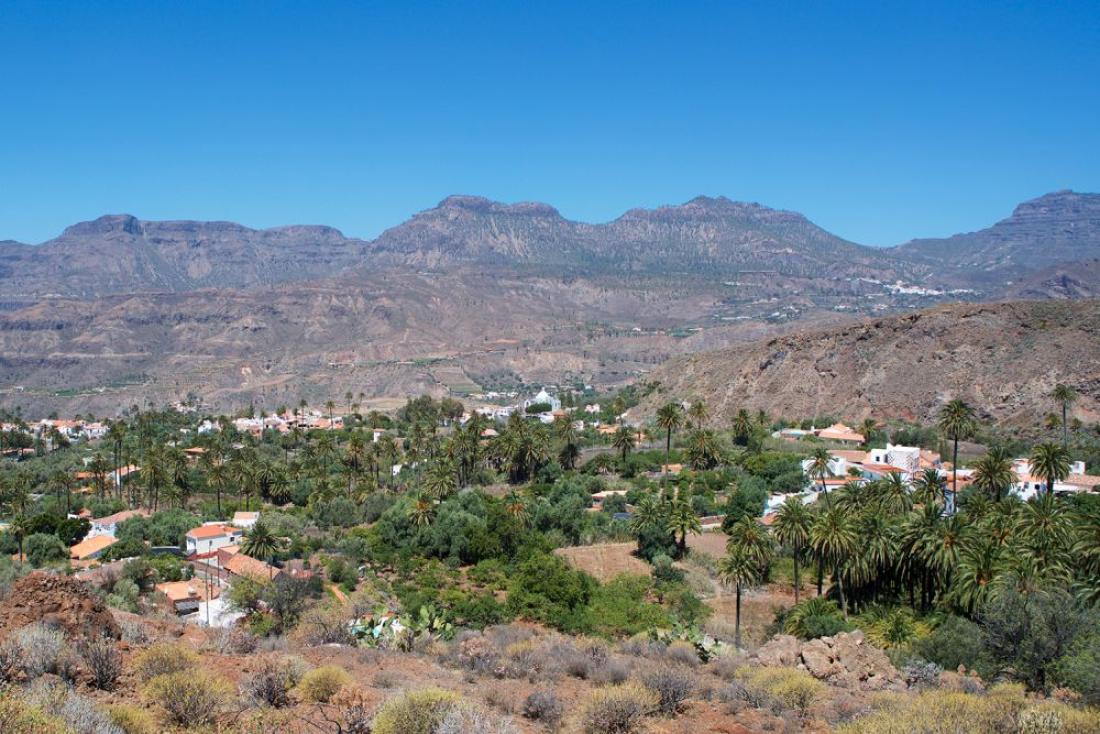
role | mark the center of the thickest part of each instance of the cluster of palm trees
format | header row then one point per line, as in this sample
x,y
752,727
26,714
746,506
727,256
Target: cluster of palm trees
x,y
888,541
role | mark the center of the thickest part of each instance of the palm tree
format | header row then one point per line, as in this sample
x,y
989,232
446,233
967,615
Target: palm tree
x,y
699,413
929,487
893,494
19,527
623,441
440,481
421,511
330,406
570,443
980,563
750,537
957,420
1050,462
703,451
791,527
819,469
993,475
260,543
669,417
1045,530
681,520
833,537
867,429
219,477
516,508
742,427
739,569
1064,395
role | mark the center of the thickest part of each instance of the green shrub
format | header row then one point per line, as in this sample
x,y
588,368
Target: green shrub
x,y
415,712
17,717
189,697
131,719
790,688
956,641
164,659
321,684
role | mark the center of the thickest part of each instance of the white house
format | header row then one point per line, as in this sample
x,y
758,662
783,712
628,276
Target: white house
x,y
209,538
109,525
245,520
906,458
543,397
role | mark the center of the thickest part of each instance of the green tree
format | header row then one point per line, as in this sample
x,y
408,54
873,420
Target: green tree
x,y
741,571
833,538
623,441
1064,395
793,521
669,418
957,421
1050,462
260,543
993,475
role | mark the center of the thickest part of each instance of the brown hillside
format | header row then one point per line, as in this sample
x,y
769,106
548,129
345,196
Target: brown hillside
x,y
1004,358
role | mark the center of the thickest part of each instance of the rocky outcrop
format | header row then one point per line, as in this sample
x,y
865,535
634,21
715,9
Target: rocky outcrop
x,y
846,661
61,602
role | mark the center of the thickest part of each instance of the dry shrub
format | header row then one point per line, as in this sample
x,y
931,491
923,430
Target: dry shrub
x,y
188,697
324,625
103,660
1058,718
725,666
350,711
41,650
270,683
501,699
503,635
683,653
787,688
17,717
477,654
133,631
164,659
933,711
611,672
232,641
131,719
59,700
321,684
618,709
467,719
673,686
386,679
415,712
544,706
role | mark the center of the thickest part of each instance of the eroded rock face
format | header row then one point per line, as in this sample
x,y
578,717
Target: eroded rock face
x,y
846,660
56,601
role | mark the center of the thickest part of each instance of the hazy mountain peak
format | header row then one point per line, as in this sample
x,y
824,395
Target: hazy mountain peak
x,y
106,224
482,205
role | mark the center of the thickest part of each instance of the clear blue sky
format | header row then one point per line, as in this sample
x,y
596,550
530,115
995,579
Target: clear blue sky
x,y
880,121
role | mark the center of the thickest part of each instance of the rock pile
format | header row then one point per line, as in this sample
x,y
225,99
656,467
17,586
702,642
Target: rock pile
x,y
845,660
56,601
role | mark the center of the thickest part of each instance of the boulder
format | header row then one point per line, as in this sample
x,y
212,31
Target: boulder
x,y
780,651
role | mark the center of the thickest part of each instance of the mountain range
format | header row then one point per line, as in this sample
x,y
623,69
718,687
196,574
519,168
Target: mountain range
x,y
473,294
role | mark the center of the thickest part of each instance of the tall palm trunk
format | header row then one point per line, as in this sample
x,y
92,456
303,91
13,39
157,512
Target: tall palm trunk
x,y
797,581
840,589
737,620
1065,427
955,474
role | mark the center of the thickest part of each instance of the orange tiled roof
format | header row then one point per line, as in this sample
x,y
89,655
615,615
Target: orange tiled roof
x,y
91,546
211,531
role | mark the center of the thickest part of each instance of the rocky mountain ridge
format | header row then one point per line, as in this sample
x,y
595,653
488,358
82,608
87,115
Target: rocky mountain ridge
x,y
1003,358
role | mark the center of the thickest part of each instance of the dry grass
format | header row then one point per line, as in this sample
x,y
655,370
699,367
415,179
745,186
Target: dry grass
x,y
605,561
